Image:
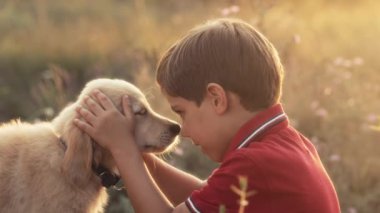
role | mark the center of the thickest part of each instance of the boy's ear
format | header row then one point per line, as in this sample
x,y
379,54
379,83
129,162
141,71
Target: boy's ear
x,y
218,97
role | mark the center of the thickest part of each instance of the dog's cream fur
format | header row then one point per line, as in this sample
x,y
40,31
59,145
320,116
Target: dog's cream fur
x,y
37,174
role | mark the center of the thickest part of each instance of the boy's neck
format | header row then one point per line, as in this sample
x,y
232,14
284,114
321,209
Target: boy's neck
x,y
234,119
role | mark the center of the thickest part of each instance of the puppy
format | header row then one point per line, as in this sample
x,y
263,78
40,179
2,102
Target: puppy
x,y
55,167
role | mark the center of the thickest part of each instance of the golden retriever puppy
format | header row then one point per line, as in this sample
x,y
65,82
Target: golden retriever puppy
x,y
54,167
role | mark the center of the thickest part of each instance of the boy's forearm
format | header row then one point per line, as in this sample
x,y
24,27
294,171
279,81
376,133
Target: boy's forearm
x,y
144,194
174,183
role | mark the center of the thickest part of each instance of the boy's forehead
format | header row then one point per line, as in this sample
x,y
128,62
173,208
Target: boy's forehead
x,y
175,101
169,97
172,100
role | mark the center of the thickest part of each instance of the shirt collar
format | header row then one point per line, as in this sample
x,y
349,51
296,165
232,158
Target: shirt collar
x,y
260,123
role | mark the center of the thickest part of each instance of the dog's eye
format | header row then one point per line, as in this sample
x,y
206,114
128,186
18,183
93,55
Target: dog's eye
x,y
143,111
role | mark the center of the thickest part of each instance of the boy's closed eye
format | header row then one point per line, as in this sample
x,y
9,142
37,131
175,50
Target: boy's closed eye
x,y
177,111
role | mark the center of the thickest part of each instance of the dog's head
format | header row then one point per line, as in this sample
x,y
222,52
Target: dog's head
x,y
153,132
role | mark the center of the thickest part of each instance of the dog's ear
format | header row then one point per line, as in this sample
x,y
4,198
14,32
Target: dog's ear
x,y
97,154
77,162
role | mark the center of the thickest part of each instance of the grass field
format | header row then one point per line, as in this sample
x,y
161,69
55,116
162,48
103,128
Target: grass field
x,y
49,49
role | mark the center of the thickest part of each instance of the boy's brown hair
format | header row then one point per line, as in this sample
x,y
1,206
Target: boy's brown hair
x,y
229,52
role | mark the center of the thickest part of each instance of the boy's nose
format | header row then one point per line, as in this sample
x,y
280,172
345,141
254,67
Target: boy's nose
x,y
174,129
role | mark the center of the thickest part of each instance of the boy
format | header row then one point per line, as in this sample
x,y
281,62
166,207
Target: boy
x,y
224,80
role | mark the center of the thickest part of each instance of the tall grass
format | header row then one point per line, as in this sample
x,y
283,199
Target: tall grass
x,y
49,49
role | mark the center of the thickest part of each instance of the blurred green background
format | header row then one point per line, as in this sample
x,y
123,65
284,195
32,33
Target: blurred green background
x,y
50,48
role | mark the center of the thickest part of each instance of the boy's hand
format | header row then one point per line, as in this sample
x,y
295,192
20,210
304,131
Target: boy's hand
x,y
104,123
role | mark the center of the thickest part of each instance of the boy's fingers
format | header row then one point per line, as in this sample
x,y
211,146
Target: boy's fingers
x,y
93,106
85,127
86,115
126,107
104,101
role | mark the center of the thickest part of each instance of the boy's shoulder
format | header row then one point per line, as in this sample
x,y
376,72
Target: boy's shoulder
x,y
261,154
279,142
276,147
267,143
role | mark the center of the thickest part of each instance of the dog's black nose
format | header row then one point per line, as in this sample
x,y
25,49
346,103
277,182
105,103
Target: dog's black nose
x,y
174,129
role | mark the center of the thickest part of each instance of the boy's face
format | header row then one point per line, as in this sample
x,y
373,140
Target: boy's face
x,y
200,124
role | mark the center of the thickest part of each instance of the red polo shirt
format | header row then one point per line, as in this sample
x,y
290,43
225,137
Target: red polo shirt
x,y
282,167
